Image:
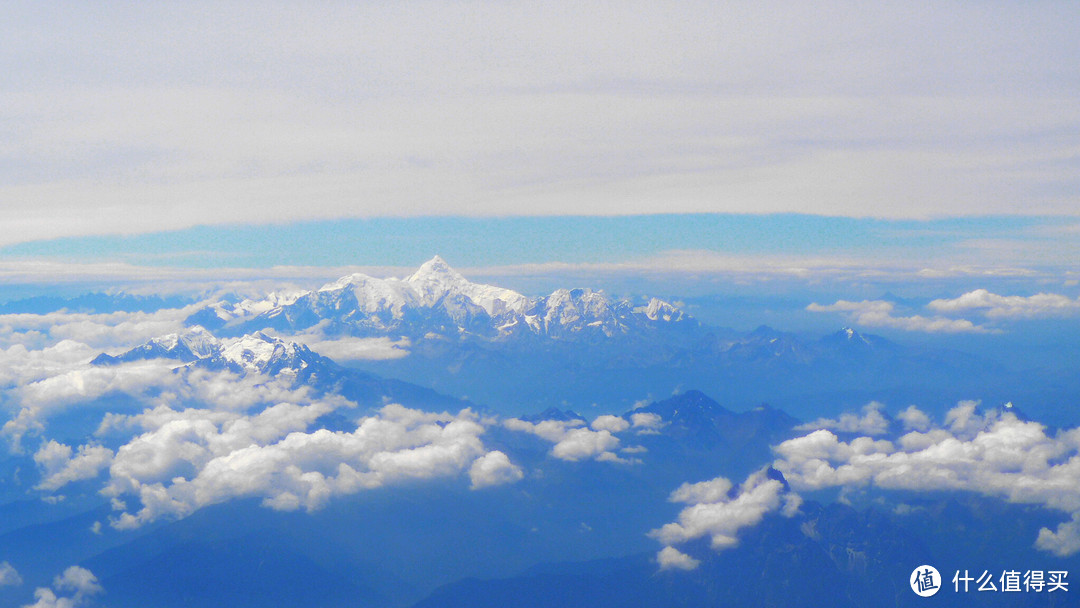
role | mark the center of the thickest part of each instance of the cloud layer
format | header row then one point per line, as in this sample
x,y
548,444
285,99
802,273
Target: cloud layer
x,y
879,313
990,453
994,306
193,458
576,108
574,441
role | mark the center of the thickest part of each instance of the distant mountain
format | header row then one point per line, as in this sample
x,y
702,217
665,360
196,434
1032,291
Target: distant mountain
x,y
93,303
574,348
807,376
438,300
192,345
256,353
783,563
827,555
259,353
696,419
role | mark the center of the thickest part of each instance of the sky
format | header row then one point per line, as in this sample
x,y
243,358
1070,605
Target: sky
x,y
132,118
908,168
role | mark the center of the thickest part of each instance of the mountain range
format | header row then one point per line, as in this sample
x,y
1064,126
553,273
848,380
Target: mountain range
x,y
583,348
437,300
259,353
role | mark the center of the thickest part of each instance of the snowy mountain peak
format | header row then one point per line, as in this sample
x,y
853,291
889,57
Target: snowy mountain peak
x,y
658,309
436,269
435,280
198,341
438,300
257,352
852,336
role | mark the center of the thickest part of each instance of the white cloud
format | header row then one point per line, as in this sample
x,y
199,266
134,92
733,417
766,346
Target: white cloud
x,y
572,440
60,468
914,419
348,348
102,331
41,399
872,422
76,583
1038,306
21,365
493,468
879,313
607,422
670,557
1064,541
714,490
569,109
355,349
193,458
89,382
992,454
646,422
579,444
9,576
154,382
715,513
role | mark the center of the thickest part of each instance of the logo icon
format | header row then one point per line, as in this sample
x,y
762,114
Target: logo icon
x,y
925,581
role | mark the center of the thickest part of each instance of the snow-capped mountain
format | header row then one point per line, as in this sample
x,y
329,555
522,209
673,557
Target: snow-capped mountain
x,y
257,352
192,345
437,300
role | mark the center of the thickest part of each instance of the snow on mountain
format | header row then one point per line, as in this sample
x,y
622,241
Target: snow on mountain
x,y
222,312
435,280
264,354
658,309
192,345
258,352
438,300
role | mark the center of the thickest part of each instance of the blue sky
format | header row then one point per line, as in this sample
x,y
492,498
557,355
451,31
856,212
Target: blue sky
x,y
600,143
681,254
487,241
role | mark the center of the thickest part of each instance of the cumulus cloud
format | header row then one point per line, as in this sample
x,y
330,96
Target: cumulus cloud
x,y
60,468
914,419
44,398
493,468
20,364
573,441
994,306
1063,541
871,422
879,313
153,382
76,584
670,557
9,576
718,511
646,422
612,424
992,453
194,458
